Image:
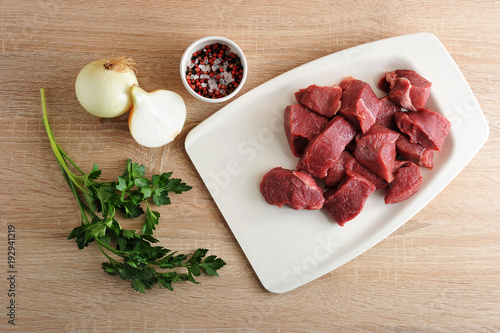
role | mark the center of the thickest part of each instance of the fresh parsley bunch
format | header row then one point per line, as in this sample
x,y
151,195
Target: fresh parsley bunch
x,y
130,255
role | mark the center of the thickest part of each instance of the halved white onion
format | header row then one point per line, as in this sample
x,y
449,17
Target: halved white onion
x,y
156,118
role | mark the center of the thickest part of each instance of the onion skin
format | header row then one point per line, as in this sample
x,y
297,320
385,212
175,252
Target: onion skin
x,y
103,87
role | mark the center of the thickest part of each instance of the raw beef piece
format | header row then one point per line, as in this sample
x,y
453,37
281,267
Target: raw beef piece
x,y
301,125
347,162
406,183
369,175
385,116
376,150
383,84
425,126
360,105
323,100
398,164
347,201
337,172
406,88
414,152
324,150
299,190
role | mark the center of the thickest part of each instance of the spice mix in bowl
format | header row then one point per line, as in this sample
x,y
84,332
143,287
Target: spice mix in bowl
x,y
213,69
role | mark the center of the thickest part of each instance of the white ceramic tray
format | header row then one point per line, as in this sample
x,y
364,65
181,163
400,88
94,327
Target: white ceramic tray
x,y
237,145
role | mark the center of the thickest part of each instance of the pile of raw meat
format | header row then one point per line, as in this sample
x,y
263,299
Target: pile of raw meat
x,y
357,144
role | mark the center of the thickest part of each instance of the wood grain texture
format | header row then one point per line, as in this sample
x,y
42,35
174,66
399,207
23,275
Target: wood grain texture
x,y
440,272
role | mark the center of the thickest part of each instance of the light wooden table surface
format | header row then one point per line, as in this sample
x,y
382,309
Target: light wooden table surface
x,y
440,272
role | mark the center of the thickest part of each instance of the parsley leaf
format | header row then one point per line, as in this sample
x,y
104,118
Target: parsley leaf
x,y
151,221
160,197
122,184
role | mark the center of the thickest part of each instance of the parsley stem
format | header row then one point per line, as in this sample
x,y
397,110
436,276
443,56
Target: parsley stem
x,y
107,256
63,153
81,205
55,147
109,248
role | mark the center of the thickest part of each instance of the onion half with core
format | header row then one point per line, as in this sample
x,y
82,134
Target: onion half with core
x,y
156,118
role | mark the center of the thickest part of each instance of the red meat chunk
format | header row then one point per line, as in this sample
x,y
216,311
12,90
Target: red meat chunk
x,y
347,162
348,199
385,116
323,151
376,150
398,164
301,125
414,152
337,172
369,175
425,126
383,84
406,183
322,100
299,190
406,88
360,105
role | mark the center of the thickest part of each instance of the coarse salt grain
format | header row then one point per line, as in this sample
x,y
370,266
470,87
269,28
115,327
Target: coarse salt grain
x,y
213,84
228,78
204,68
